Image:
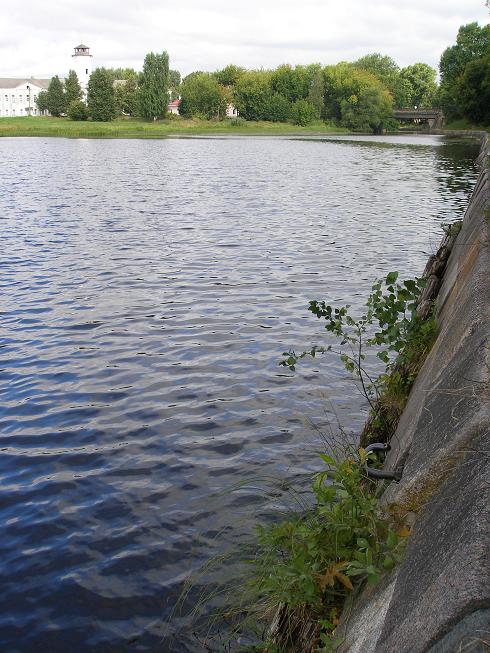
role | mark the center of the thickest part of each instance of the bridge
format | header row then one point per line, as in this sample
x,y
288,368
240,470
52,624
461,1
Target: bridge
x,y
433,117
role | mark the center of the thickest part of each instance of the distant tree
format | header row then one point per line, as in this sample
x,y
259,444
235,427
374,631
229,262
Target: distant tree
x,y
370,111
154,85
195,73
345,82
77,110
473,91
73,90
387,71
122,73
42,102
56,98
202,96
292,83
316,94
101,98
174,84
421,80
302,112
381,66
252,94
472,42
277,108
126,93
229,75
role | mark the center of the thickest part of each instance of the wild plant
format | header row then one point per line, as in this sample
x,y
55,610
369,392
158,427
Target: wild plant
x,y
310,562
400,338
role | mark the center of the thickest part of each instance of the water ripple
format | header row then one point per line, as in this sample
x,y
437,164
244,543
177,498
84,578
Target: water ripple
x,y
148,290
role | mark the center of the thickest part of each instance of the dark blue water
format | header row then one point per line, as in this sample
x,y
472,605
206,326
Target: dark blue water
x,y
148,290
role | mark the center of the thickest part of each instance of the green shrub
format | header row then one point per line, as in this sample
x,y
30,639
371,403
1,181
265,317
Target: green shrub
x,y
238,121
77,110
310,562
277,108
302,113
390,323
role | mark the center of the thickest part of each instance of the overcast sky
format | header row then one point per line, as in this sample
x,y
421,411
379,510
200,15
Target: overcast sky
x,y
38,36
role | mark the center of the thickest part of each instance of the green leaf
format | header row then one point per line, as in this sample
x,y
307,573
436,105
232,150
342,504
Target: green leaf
x,y
327,459
388,563
392,539
383,355
391,278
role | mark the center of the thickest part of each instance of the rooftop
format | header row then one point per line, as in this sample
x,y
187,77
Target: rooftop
x,y
14,82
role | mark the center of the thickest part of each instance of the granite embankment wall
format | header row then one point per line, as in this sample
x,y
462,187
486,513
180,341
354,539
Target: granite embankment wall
x,y
438,599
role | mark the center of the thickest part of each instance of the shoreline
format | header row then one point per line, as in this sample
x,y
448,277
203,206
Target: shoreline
x,y
48,127
128,128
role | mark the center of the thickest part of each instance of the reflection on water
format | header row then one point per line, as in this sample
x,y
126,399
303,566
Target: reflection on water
x,y
148,290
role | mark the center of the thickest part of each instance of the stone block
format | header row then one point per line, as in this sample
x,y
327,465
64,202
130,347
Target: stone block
x,y
446,572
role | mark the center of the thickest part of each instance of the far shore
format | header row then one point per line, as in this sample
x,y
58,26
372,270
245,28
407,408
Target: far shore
x,y
135,128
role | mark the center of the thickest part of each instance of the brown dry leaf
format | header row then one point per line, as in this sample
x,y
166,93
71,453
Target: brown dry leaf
x,y
345,580
332,573
404,531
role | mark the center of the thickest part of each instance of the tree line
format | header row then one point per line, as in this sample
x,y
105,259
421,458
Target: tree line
x,y
359,95
114,91
464,91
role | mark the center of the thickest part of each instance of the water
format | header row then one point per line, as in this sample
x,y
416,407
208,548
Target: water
x,y
148,290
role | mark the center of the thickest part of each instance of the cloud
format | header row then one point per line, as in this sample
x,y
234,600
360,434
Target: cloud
x,y
40,36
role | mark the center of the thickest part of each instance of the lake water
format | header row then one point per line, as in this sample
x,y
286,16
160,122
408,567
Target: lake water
x,y
148,290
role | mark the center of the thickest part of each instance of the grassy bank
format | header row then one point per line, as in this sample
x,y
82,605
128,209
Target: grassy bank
x,y
134,128
464,124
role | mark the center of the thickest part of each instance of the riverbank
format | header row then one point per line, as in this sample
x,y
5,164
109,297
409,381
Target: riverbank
x,y
442,434
135,128
437,600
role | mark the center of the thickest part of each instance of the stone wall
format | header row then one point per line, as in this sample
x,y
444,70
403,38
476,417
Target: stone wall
x,y
438,599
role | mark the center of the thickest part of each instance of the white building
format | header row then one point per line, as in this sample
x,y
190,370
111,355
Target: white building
x,y
82,65
18,96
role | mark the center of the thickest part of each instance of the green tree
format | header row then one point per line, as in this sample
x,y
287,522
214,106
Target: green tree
x,y
174,84
343,82
56,103
387,71
252,94
229,75
126,92
421,79
381,66
473,90
42,102
277,108
370,111
302,112
122,73
101,97
201,95
73,90
316,93
472,42
292,83
154,85
77,110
